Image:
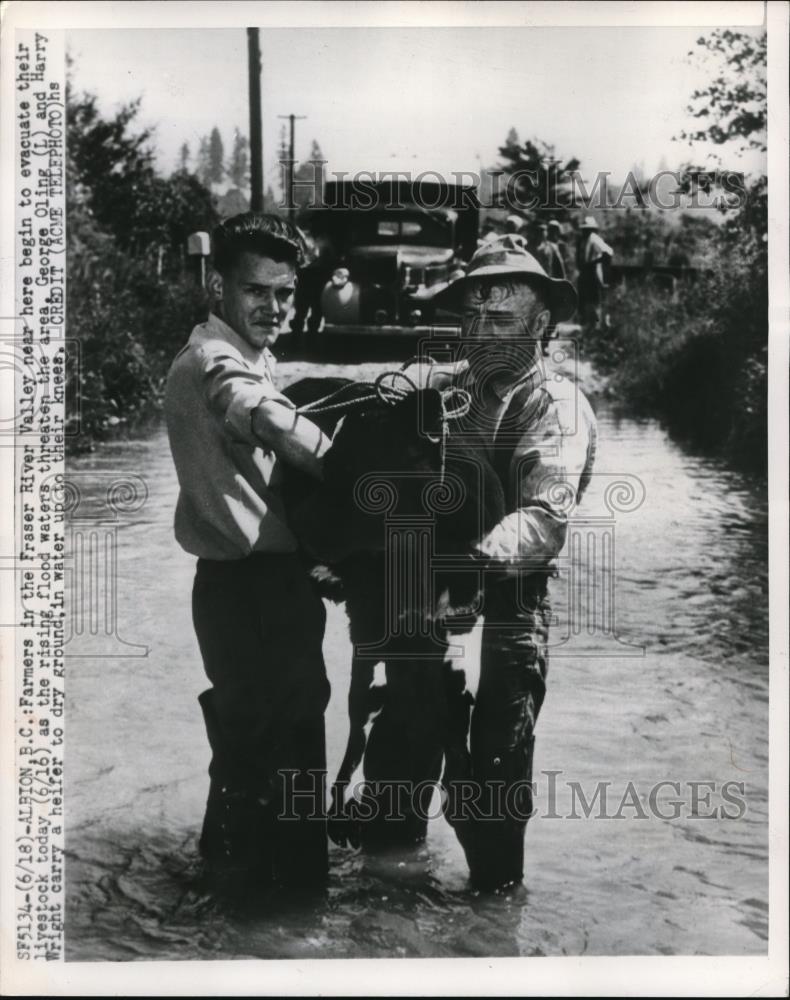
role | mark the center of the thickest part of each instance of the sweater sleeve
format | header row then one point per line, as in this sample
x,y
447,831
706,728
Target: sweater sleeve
x,y
548,467
234,391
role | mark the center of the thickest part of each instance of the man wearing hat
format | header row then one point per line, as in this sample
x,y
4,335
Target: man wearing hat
x,y
544,251
539,432
592,256
554,236
515,225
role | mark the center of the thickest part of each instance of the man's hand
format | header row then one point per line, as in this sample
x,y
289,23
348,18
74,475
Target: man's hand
x,y
290,435
523,541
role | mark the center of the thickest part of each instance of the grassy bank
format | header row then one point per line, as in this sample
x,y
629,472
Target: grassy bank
x,y
696,359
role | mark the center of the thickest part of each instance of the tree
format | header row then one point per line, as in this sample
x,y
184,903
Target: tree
x,y
216,156
699,358
271,203
732,111
112,167
239,167
309,178
732,108
184,157
316,155
130,302
108,162
537,180
732,329
204,162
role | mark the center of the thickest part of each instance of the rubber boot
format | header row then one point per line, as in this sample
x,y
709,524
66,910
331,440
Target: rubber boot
x,y
495,852
301,849
236,841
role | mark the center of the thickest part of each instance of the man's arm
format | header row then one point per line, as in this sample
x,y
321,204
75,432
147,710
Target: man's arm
x,y
430,375
525,540
291,436
252,410
549,464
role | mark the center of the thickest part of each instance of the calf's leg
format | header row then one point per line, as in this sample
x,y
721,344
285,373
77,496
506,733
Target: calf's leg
x,y
403,757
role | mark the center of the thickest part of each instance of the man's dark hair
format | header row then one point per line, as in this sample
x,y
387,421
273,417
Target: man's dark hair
x,y
254,232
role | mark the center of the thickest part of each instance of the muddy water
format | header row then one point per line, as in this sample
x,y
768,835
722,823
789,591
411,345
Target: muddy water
x,y
676,691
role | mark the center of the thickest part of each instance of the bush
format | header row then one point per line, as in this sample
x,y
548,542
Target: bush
x,y
698,358
129,327
131,304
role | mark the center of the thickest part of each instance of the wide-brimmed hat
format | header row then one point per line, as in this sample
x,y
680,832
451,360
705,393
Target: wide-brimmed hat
x,y
508,256
589,223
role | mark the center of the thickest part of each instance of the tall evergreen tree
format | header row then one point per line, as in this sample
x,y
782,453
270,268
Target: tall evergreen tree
x,y
184,157
239,167
204,162
309,177
539,177
216,156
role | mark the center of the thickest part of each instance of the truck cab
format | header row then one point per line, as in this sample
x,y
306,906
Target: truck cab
x,y
388,249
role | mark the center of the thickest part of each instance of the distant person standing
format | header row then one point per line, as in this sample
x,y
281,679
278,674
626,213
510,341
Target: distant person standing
x,y
311,280
554,237
544,251
593,256
515,225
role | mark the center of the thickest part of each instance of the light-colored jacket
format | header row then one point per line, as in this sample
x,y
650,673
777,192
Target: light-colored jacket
x,y
595,249
541,435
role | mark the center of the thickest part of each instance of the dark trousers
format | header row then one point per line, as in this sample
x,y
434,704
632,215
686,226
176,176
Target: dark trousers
x,y
307,298
487,742
489,791
260,626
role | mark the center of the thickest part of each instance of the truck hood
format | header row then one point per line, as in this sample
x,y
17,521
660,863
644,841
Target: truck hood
x,y
405,254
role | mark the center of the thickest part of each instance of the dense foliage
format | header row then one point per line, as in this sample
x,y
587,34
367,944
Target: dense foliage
x,y
132,298
696,357
691,348
699,358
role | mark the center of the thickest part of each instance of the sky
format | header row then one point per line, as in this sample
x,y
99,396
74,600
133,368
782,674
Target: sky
x,y
410,98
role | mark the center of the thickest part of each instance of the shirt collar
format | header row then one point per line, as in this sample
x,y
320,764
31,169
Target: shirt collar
x,y
217,327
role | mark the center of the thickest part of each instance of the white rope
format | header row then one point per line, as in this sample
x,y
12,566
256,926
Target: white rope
x,y
389,393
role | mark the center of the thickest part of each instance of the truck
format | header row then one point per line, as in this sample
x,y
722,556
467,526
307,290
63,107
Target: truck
x,y
385,250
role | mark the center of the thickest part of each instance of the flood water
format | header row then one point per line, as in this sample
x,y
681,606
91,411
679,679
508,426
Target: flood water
x,y
676,691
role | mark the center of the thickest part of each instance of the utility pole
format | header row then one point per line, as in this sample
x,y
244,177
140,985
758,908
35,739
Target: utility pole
x,y
289,177
256,131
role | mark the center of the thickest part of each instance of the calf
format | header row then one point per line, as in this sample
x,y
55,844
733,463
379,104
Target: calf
x,y
397,495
